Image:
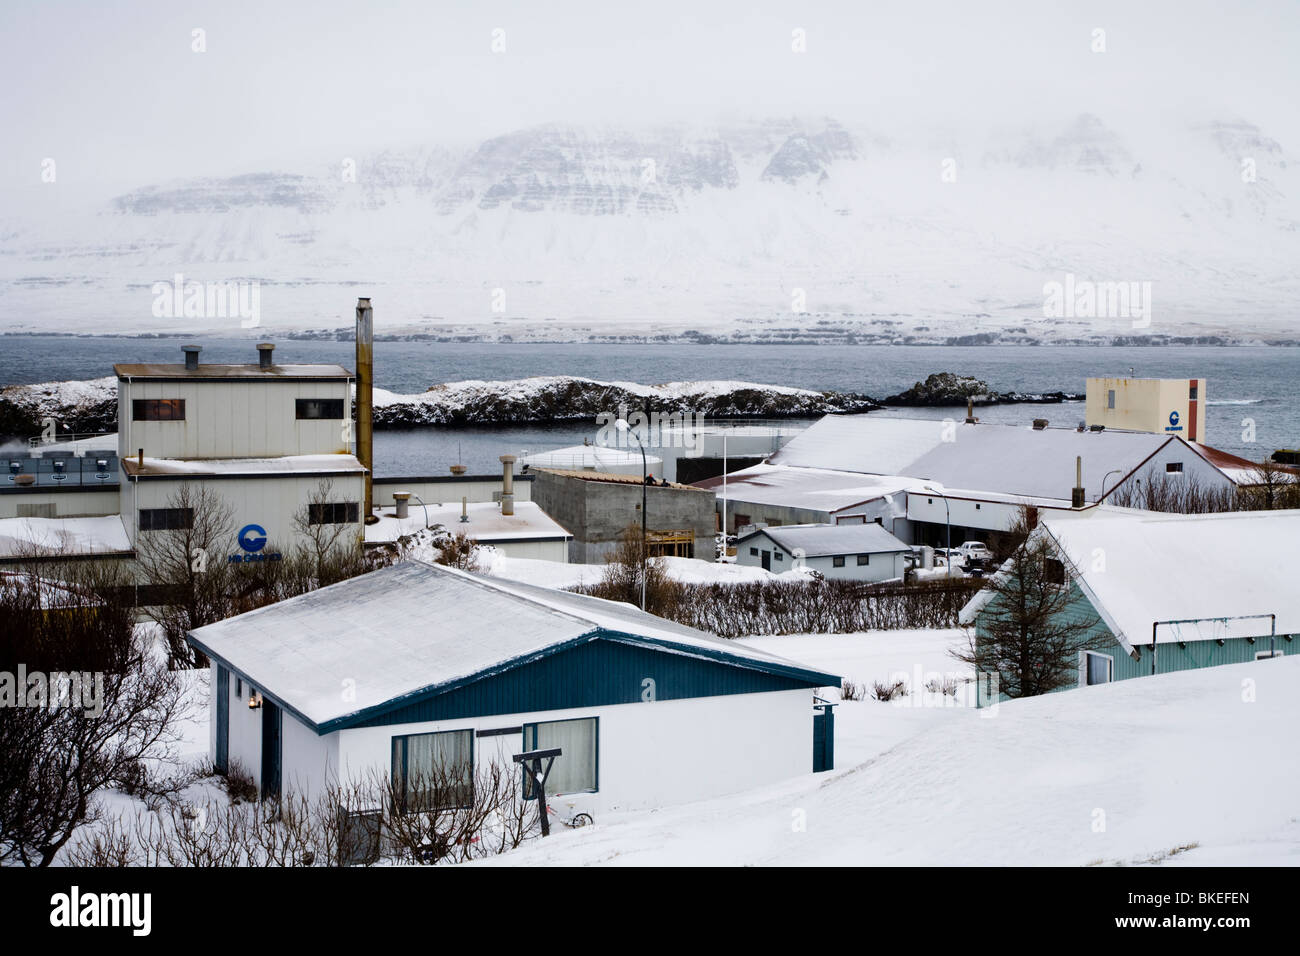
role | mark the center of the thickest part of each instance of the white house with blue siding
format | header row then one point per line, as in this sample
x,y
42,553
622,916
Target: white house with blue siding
x,y
358,677
1171,592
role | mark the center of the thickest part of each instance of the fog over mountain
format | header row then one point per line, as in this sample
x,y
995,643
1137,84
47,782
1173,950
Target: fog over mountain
x,y
929,191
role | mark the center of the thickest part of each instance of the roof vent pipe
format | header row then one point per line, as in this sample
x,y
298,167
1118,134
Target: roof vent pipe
x,y
265,354
507,484
1076,494
191,357
970,411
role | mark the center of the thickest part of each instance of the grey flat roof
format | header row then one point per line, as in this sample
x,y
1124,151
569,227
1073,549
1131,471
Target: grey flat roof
x,y
210,372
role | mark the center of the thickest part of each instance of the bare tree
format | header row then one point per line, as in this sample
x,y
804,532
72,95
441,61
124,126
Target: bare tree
x,y
1030,634
1273,487
331,548
624,567
185,566
106,705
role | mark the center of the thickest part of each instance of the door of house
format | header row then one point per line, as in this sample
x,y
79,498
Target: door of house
x,y
823,736
271,736
767,560
222,757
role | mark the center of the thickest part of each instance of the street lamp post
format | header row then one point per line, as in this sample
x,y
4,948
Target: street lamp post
x,y
1113,471
947,516
626,429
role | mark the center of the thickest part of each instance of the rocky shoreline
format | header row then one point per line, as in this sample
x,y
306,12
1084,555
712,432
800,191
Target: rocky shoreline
x,y
91,406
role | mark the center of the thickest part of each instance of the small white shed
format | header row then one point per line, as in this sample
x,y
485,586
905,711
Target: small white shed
x,y
850,552
423,659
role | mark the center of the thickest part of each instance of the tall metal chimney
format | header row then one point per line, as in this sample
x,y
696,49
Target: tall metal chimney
x,y
191,357
265,354
507,484
365,387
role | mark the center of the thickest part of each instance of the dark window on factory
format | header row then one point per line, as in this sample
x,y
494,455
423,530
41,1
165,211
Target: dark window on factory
x,y
320,408
1173,468
1191,392
166,519
1053,571
158,409
1110,398
837,561
331,512
864,559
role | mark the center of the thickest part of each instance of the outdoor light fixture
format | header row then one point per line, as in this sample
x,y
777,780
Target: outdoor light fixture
x,y
254,700
101,464
15,467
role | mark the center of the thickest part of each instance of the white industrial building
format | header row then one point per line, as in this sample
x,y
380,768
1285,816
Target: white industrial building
x,y
346,682
266,438
845,552
612,461
967,479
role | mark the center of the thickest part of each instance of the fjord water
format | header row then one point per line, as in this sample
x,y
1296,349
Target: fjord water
x,y
1244,384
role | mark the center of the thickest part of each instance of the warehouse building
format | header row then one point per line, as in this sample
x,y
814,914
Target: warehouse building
x,y
1168,592
646,712
1161,406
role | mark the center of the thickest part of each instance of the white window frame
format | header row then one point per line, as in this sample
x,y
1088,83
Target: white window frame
x,y
1083,668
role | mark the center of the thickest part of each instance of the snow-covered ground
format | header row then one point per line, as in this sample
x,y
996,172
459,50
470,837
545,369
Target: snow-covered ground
x,y
1190,768
552,574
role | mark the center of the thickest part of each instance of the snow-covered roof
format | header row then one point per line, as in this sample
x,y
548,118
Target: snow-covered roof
x,y
815,489
19,537
1140,567
287,465
819,540
210,371
1012,459
486,522
417,629
589,457
614,478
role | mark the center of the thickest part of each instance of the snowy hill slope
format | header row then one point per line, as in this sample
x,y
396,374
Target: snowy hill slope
x,y
772,230
1187,768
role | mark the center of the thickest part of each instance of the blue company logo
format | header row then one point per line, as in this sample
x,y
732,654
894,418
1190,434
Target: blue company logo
x,y
252,538
1173,422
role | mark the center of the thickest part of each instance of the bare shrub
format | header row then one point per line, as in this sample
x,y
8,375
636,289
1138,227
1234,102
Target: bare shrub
x,y
459,551
849,690
888,690
791,607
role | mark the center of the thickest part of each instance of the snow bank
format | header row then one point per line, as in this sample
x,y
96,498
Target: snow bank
x,y
1124,773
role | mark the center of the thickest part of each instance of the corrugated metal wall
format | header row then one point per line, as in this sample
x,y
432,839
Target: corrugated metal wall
x,y
597,673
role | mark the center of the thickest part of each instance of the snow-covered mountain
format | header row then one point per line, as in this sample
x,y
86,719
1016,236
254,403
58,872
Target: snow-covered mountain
x,y
775,230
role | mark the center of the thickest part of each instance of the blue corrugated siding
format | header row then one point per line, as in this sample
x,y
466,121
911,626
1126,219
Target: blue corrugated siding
x,y
1170,657
597,673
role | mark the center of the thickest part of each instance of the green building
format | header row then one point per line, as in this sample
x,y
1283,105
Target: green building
x,y
1168,592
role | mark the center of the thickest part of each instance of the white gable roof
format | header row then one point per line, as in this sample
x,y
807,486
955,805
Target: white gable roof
x,y
414,626
819,540
1012,459
1140,567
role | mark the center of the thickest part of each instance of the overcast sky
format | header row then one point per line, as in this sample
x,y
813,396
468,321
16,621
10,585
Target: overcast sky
x,y
115,93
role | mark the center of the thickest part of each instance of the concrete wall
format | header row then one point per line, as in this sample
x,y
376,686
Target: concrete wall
x,y
449,489
67,504
597,512
236,419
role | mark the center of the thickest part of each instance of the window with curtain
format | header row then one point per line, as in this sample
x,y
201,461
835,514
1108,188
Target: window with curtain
x,y
574,771
434,770
1098,668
